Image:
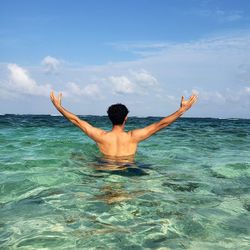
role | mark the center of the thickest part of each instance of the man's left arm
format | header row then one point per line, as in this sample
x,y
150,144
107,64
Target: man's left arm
x,y
91,131
139,135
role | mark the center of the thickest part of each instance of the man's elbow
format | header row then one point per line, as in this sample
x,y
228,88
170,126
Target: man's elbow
x,y
75,121
161,126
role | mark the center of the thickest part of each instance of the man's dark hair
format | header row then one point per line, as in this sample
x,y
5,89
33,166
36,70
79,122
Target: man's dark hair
x,y
117,113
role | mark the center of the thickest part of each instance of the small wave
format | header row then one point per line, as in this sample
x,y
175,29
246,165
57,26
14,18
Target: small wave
x,y
232,119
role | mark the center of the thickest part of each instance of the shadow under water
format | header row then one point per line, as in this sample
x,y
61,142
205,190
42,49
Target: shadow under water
x,y
116,193
125,166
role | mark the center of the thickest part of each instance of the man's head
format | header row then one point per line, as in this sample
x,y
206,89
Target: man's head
x,y
117,113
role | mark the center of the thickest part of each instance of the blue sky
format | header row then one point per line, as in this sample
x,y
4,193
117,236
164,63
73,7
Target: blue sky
x,y
143,53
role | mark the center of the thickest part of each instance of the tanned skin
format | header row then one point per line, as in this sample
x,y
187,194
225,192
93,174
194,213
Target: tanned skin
x,y
118,142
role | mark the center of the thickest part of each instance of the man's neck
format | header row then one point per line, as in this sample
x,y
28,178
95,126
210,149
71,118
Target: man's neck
x,y
118,128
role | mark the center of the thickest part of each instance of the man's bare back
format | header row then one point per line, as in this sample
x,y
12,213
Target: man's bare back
x,y
118,142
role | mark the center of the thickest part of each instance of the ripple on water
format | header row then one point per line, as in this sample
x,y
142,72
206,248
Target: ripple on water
x,y
189,187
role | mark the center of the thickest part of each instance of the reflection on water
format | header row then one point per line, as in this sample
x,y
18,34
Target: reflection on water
x,y
116,193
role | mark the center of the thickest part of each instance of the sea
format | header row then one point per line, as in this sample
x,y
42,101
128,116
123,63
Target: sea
x,y
188,187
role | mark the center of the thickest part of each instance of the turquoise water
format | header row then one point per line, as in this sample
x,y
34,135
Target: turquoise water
x,y
188,189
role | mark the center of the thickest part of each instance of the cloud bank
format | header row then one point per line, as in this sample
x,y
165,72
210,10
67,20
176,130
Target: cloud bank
x,y
217,68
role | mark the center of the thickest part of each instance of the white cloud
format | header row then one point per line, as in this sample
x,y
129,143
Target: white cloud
x,y
20,82
122,85
227,16
247,89
20,78
74,88
51,64
144,78
214,97
218,14
139,45
90,90
216,44
138,82
220,98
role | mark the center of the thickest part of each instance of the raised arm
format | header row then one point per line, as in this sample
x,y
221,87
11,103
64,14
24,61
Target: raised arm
x,y
89,130
143,133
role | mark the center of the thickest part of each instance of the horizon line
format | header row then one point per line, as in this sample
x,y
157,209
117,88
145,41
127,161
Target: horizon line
x,y
192,117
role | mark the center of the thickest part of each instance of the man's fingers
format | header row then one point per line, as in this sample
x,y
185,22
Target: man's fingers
x,y
194,99
52,95
60,97
190,100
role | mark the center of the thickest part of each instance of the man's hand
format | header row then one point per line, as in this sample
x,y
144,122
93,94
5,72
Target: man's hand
x,y
56,101
187,104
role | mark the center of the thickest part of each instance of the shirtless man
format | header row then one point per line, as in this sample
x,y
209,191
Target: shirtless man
x,y
117,142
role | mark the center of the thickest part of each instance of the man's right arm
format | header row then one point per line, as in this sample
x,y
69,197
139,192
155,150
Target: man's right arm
x,y
139,135
91,131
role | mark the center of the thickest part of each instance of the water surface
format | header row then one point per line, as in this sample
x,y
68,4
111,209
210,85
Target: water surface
x,y
189,187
